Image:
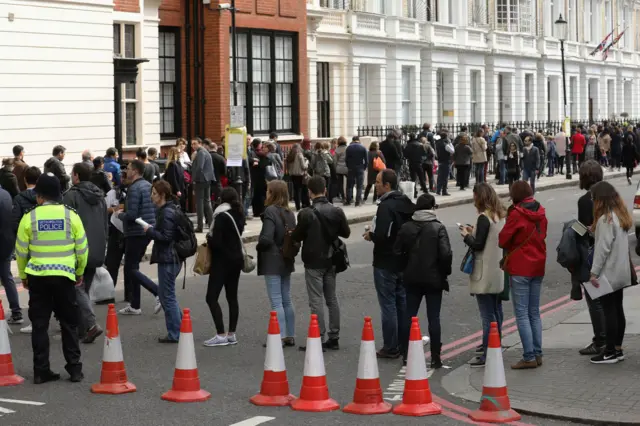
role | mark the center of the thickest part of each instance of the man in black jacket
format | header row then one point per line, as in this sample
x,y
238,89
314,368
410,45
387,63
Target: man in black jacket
x,y
26,200
394,209
219,167
319,272
356,162
7,243
392,150
423,244
444,162
54,165
88,201
414,153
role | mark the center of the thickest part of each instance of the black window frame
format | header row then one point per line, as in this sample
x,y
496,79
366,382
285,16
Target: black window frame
x,y
177,84
295,84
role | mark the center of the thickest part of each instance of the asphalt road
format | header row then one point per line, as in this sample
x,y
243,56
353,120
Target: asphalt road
x,y
233,373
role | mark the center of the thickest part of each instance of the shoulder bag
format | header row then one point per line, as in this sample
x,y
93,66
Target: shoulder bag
x,y
248,264
339,258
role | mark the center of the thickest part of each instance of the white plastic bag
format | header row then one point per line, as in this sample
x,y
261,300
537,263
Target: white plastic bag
x,y
102,286
408,189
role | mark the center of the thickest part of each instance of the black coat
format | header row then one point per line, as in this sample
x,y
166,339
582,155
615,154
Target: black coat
x,y
163,234
392,150
174,175
425,250
7,235
22,203
9,182
629,154
414,152
315,247
271,240
55,166
219,165
223,241
100,179
394,209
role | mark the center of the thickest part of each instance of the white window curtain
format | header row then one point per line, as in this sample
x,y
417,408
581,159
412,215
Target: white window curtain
x,y
406,95
515,16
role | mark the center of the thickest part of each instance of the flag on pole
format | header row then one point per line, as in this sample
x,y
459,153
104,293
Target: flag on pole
x,y
617,39
605,52
602,44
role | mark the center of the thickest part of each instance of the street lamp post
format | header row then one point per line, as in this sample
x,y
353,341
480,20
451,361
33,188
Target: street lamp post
x,y
561,31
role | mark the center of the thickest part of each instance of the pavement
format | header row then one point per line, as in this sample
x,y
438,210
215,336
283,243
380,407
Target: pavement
x,y
233,374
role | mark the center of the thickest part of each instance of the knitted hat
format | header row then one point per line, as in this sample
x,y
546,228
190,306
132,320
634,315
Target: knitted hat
x,y
48,186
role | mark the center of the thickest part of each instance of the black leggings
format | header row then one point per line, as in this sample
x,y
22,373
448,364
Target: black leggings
x,y
614,319
226,276
629,172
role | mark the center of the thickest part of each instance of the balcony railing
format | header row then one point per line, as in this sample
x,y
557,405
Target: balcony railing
x,y
369,6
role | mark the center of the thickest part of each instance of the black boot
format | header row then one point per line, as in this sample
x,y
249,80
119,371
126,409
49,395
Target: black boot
x,y
436,362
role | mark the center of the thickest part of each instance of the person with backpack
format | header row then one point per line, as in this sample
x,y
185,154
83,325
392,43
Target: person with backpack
x,y
427,161
629,156
552,156
320,162
394,209
163,233
424,244
319,226
227,258
414,152
376,164
275,259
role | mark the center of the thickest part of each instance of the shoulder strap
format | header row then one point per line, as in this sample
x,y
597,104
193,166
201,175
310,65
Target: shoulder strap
x,y
324,227
237,232
284,219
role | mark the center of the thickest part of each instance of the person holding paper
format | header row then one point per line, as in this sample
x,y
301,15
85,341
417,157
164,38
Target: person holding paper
x,y
611,266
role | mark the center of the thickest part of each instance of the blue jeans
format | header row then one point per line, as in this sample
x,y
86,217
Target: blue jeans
x,y
393,306
355,177
490,306
279,291
525,292
167,273
443,178
530,175
6,278
502,167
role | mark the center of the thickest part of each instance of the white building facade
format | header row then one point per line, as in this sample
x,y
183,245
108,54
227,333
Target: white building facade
x,y
406,62
57,77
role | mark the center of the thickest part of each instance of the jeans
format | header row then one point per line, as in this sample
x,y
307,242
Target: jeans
x,y
134,250
551,163
355,177
479,172
279,291
614,319
86,316
203,203
502,167
530,175
434,304
167,273
6,278
490,306
321,283
525,292
596,312
443,178
393,306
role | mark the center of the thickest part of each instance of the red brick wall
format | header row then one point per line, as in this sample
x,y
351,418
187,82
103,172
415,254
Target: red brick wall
x,y
127,6
281,15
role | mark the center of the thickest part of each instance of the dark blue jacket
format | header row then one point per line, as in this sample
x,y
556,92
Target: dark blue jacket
x,y
163,234
112,166
138,205
356,157
7,235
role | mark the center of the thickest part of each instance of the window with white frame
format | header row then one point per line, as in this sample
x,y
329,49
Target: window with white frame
x,y
572,20
267,61
243,73
637,31
474,89
124,46
588,30
554,15
515,16
431,10
478,13
168,61
409,8
528,96
364,95
406,95
608,16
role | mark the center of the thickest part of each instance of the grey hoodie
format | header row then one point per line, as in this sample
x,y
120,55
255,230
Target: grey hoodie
x,y
89,202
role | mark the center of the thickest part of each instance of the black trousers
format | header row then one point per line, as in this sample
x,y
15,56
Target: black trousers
x,y
115,252
462,176
614,319
227,277
55,295
416,171
596,313
428,167
434,304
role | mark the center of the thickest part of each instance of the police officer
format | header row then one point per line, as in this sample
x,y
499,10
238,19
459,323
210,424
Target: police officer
x,y
51,251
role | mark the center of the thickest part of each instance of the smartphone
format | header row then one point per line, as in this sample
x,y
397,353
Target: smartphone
x,y
459,224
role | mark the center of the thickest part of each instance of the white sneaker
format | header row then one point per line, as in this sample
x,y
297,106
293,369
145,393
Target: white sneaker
x,y
232,339
217,341
130,311
158,306
26,330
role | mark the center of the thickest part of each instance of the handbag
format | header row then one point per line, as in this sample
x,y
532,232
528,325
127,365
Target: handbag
x,y
248,263
340,257
202,264
467,262
378,164
505,258
270,173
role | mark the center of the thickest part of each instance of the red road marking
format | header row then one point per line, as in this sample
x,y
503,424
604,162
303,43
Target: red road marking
x,y
466,411
464,419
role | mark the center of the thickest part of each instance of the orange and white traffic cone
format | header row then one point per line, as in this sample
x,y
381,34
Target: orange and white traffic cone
x,y
416,399
8,376
367,398
314,394
274,391
113,379
186,382
494,404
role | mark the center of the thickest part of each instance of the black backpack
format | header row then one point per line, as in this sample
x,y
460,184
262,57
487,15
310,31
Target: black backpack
x,y
186,243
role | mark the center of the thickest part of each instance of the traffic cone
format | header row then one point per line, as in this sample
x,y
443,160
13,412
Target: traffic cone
x,y
314,394
367,398
416,399
186,383
113,379
494,404
8,376
274,391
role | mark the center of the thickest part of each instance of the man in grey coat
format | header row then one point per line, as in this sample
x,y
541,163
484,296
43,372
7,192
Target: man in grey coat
x,y
202,174
89,202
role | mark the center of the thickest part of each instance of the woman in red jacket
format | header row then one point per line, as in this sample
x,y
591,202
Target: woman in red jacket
x,y
523,239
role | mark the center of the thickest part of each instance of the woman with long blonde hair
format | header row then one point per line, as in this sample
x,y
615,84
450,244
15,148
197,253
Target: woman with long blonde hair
x,y
611,266
276,220
174,173
486,281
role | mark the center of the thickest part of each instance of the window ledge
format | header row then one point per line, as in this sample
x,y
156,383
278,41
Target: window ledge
x,y
281,137
133,147
168,141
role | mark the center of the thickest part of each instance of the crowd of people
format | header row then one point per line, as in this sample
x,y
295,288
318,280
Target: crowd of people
x,y
110,214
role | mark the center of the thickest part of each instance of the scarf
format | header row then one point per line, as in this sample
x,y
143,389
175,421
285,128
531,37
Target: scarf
x,y
224,207
424,216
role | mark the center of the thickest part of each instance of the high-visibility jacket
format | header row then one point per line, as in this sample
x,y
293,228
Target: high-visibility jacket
x,y
51,242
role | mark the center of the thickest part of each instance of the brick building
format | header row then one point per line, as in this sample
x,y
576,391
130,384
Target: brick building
x,y
272,68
